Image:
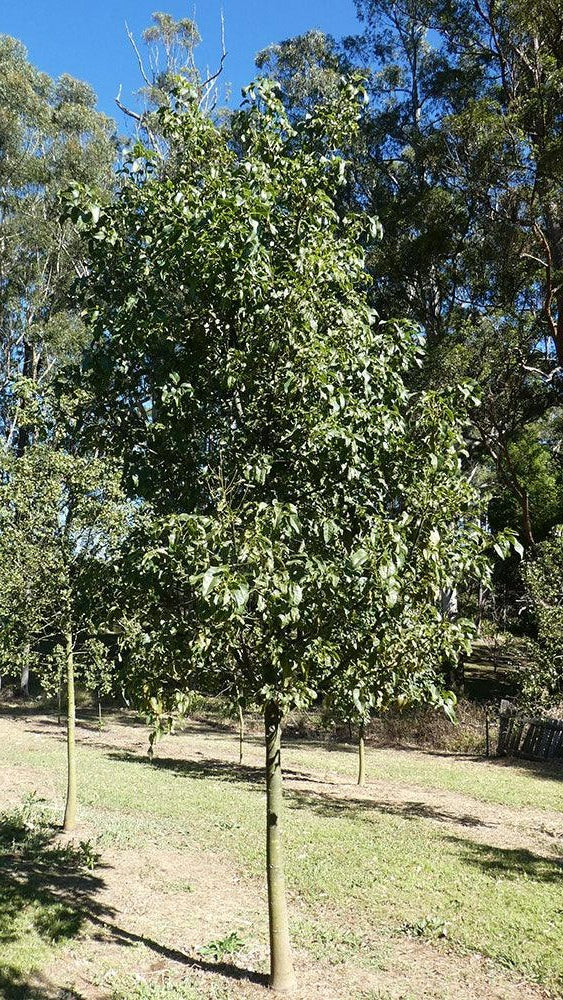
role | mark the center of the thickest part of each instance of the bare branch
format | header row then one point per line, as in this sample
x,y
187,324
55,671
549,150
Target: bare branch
x,y
138,54
126,110
207,84
538,260
547,377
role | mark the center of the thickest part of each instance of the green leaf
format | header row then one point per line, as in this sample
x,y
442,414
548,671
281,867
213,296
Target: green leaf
x,y
210,580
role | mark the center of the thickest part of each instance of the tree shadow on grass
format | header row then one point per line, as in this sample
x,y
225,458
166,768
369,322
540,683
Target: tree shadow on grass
x,y
227,969
15,986
47,891
494,860
498,862
509,862
206,768
210,767
322,803
368,808
49,882
546,770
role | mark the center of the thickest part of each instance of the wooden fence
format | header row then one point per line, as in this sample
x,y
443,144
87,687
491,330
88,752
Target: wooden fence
x,y
535,739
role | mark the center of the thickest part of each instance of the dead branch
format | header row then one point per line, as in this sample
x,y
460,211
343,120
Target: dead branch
x,y
138,54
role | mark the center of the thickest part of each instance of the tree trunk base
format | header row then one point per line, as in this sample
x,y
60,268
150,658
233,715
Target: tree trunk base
x,y
282,977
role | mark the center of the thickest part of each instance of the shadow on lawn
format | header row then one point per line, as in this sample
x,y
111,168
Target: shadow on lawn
x,y
322,803
49,882
128,938
328,805
210,767
509,862
494,861
14,986
546,770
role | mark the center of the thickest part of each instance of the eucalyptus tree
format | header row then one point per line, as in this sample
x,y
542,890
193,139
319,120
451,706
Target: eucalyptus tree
x,y
458,157
50,132
262,414
464,148
308,68
169,51
62,518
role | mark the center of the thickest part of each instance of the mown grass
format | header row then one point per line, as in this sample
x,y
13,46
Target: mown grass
x,y
356,872
512,784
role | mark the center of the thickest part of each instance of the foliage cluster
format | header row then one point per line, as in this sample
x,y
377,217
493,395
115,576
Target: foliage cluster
x,y
542,683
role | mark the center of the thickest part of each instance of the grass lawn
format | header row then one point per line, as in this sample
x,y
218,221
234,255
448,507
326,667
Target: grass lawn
x,y
440,879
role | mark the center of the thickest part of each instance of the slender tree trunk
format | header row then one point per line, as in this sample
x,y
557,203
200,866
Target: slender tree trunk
x,y
361,754
60,694
282,977
24,680
480,606
99,710
527,520
70,808
24,674
240,733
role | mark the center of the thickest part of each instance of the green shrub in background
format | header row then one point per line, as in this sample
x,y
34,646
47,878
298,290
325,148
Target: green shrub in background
x,y
542,676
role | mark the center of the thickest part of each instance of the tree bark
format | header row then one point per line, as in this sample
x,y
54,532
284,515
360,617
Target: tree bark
x,y
361,754
282,977
240,734
70,808
527,520
24,431
24,676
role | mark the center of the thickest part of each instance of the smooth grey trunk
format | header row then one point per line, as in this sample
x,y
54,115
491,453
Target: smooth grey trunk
x,y
361,754
60,694
24,674
282,977
448,602
99,711
70,808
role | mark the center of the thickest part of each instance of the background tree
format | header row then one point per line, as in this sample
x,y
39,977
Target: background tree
x,y
61,520
458,158
169,53
541,681
50,133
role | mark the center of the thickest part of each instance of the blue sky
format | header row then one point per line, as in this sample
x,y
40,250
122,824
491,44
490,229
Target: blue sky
x,y
87,38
